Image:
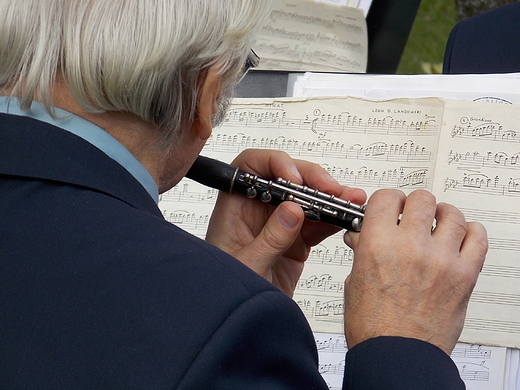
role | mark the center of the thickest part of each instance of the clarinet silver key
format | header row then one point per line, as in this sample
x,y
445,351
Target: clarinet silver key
x,y
317,205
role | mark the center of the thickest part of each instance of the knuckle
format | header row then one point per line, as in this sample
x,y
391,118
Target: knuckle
x,y
388,193
456,221
423,197
272,238
382,198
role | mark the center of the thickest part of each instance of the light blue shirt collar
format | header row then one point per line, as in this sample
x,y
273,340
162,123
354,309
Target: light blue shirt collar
x,y
90,133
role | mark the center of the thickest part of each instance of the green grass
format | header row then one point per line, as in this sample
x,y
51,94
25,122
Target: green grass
x,y
427,40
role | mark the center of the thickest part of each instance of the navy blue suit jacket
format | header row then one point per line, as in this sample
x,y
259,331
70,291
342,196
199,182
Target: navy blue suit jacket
x,y
485,43
98,291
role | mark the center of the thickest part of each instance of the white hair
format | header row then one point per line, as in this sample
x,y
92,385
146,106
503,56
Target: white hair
x,y
145,57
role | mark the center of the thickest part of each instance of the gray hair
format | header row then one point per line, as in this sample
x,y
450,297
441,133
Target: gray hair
x,y
145,57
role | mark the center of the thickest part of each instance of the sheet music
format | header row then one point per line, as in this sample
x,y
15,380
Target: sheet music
x,y
478,169
360,143
309,35
363,4
480,367
494,88
392,144
348,3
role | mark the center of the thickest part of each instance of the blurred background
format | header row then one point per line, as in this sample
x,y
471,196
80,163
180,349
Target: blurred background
x,y
424,50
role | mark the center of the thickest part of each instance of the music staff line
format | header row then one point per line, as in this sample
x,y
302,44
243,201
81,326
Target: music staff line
x,y
325,283
333,309
504,244
337,344
335,23
481,183
407,151
189,221
503,271
496,298
468,374
337,256
323,310
475,160
509,217
492,131
473,352
319,39
332,369
342,122
319,283
183,193
341,64
494,325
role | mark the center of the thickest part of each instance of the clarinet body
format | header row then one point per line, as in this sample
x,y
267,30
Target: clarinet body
x,y
318,206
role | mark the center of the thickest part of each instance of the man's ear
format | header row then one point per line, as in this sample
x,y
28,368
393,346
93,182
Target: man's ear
x,y
207,104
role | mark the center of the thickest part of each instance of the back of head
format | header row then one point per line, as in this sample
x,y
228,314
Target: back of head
x,y
145,57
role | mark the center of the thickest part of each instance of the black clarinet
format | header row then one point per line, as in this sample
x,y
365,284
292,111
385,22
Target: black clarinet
x,y
318,206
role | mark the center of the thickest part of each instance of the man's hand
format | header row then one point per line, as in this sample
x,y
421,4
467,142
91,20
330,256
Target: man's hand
x,y
274,242
407,279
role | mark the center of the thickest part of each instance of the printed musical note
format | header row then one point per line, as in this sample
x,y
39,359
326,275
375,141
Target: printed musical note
x,y
195,223
338,255
315,283
183,194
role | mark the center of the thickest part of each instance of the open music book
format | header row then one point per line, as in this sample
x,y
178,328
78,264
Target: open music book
x,y
362,4
303,35
466,153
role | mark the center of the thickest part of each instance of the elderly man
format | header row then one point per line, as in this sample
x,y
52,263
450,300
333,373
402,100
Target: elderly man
x,y
105,105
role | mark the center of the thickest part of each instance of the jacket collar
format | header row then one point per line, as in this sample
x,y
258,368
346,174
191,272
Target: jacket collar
x,y
34,149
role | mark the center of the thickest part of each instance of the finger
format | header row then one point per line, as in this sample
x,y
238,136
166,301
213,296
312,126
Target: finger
x,y
450,228
351,239
382,212
317,177
475,246
275,238
315,232
268,164
419,212
272,163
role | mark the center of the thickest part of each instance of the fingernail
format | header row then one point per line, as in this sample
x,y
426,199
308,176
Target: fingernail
x,y
287,219
296,173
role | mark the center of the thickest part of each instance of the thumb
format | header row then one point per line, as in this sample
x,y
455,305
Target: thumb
x,y
276,237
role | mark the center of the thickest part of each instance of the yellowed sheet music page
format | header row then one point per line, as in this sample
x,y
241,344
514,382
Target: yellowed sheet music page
x,y
350,3
478,169
363,4
312,36
361,143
